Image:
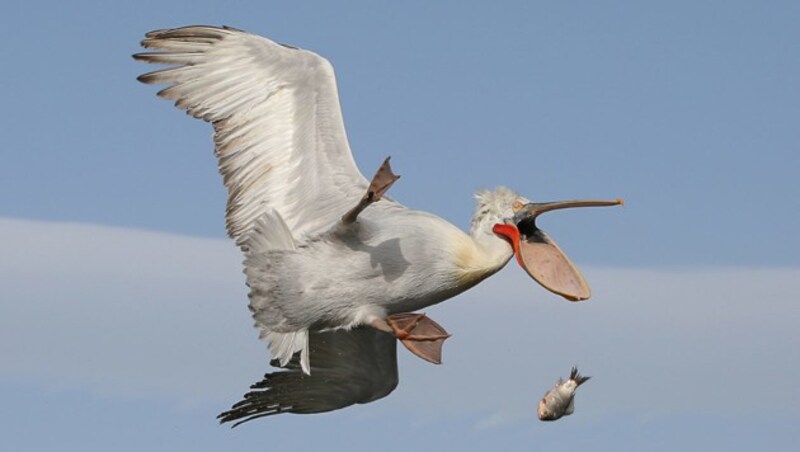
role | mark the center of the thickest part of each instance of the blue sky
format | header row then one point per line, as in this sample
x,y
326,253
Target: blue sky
x,y
123,317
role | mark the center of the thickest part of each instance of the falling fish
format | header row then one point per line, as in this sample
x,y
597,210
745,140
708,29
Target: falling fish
x,y
559,401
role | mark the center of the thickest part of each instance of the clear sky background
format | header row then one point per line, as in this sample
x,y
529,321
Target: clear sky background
x,y
123,319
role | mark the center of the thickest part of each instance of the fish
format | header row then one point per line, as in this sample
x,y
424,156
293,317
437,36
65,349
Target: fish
x,y
559,401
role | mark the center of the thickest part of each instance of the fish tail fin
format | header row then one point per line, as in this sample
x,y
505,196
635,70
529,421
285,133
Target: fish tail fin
x,y
577,377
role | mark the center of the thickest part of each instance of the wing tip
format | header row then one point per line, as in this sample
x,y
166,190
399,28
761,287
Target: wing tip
x,y
149,77
190,31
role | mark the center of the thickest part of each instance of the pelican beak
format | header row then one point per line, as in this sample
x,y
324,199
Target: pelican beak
x,y
540,256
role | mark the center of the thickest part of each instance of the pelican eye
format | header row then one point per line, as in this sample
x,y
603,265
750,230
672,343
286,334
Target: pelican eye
x,y
516,206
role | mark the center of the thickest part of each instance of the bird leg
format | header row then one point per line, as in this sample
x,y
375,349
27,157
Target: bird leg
x,y
421,335
383,179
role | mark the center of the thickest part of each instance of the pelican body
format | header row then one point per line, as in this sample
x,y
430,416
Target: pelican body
x,y
392,260
325,250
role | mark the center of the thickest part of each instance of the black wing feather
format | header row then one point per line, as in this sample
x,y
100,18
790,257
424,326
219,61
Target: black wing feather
x,y
347,367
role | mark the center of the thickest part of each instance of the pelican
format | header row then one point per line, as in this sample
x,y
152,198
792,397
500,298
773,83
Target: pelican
x,y
334,266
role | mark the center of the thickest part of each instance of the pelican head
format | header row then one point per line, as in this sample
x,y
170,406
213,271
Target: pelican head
x,y
513,218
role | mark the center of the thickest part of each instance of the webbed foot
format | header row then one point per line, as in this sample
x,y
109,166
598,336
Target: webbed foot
x,y
421,335
383,179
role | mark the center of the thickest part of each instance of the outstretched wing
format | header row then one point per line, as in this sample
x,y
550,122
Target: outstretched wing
x,y
278,128
347,367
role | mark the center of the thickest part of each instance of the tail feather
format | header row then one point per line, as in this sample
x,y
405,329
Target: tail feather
x,y
282,346
270,233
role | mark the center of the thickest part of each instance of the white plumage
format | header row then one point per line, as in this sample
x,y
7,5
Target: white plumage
x,y
279,134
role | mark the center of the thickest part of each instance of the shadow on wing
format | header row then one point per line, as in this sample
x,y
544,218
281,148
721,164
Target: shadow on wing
x,y
347,367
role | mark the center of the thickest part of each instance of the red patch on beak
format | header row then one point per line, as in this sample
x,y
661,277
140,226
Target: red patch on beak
x,y
544,261
511,233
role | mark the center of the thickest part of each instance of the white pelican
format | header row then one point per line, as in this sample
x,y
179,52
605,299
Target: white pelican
x,y
321,254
